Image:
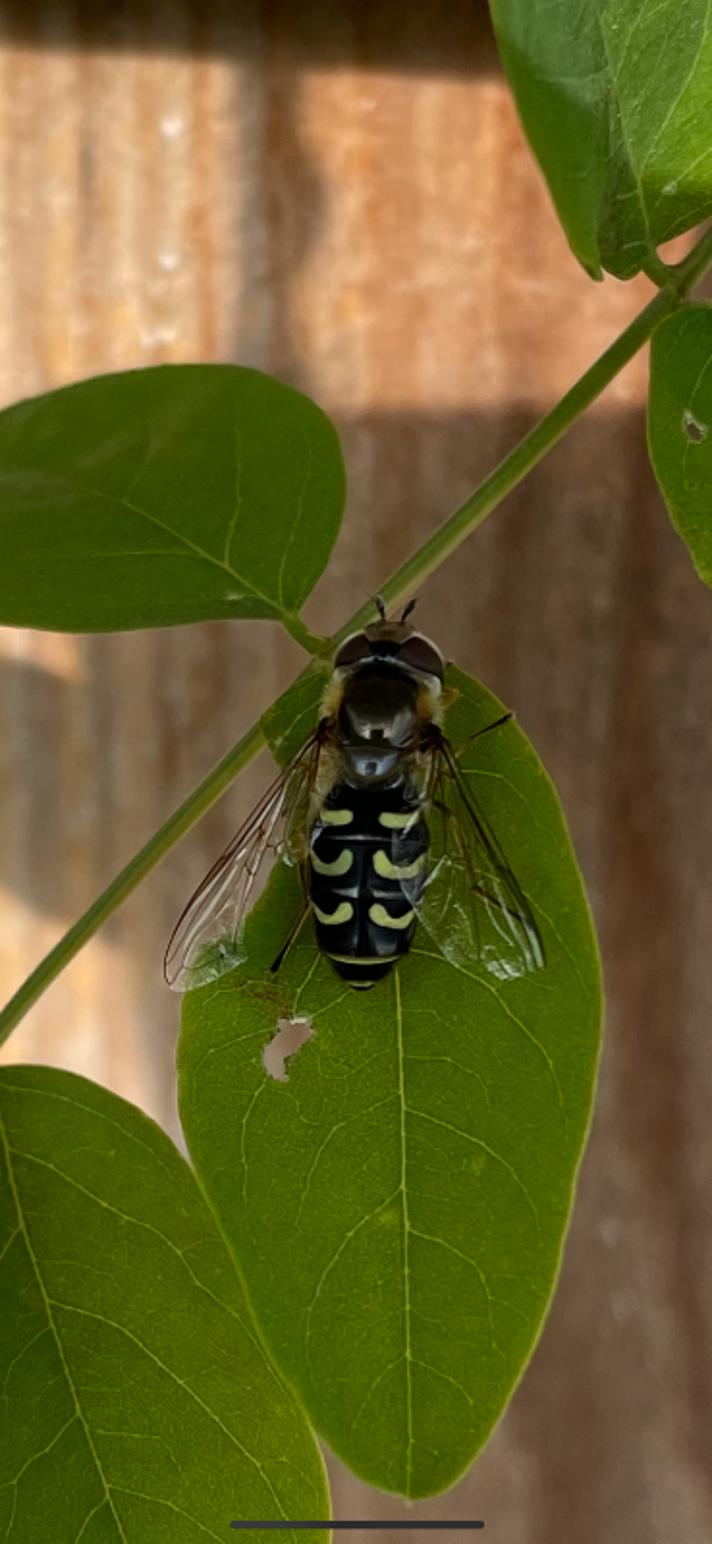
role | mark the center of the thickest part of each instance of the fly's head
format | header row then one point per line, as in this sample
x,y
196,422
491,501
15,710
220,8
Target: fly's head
x,y
387,683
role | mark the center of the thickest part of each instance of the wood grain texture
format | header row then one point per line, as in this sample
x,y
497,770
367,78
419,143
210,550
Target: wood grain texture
x,y
341,194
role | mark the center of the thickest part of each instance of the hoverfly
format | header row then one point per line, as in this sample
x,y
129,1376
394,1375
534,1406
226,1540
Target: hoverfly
x,y
377,813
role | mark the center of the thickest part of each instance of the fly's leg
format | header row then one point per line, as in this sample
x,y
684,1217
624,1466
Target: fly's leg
x,y
487,729
291,937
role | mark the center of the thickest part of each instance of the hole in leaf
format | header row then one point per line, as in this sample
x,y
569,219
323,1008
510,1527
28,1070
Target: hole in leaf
x,y
290,1036
692,427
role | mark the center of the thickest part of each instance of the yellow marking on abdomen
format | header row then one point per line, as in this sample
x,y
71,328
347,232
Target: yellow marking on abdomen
x,y
344,912
337,817
398,822
388,870
383,918
338,866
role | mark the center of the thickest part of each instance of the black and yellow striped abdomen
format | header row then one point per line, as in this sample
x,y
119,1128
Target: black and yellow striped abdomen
x,y
367,865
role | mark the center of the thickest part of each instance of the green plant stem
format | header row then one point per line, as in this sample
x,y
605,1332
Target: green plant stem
x,y
541,439
301,635
397,589
146,859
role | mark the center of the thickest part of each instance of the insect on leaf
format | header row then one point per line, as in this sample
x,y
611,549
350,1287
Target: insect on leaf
x,y
397,1205
138,1402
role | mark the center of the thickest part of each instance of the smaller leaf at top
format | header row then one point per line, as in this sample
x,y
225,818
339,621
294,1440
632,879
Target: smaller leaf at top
x,y
680,426
166,495
615,98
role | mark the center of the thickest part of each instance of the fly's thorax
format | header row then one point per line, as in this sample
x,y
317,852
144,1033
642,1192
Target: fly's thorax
x,y
376,722
386,688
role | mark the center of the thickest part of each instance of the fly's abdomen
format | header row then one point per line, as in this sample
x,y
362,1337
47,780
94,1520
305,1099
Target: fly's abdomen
x,y
367,867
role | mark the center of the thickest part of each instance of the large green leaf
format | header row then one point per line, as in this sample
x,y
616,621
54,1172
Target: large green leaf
x,y
162,496
138,1402
615,98
397,1206
680,426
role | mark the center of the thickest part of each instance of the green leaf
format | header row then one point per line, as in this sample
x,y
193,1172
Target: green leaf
x,y
138,1401
162,496
615,99
397,1206
291,718
680,426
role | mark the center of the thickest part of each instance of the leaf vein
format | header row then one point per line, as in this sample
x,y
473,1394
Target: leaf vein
x,y
339,1126
297,522
124,1490
406,1230
55,1332
335,1257
477,1141
122,1329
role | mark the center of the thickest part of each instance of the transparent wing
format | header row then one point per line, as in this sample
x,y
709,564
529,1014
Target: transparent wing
x,y
472,905
207,939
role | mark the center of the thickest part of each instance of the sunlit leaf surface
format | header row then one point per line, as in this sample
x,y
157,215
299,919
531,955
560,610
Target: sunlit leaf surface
x,y
615,98
165,495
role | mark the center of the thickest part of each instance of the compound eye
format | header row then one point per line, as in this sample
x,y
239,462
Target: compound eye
x,y
354,649
421,655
